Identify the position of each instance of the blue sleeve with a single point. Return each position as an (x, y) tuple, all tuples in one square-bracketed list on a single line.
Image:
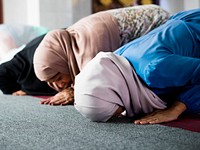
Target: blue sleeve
[(167, 57), (172, 71), (191, 98)]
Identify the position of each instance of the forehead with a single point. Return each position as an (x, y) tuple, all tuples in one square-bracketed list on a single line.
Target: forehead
[(54, 78), (59, 76)]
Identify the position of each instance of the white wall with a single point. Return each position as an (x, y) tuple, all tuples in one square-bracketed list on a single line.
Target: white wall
[(62, 13), (48, 13), (191, 4), (15, 11), (174, 6), (56, 13)]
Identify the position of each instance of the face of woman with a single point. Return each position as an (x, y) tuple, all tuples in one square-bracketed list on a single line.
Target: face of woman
[(61, 81)]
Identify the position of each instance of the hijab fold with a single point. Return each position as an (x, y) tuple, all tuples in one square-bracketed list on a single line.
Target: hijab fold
[(109, 81), (68, 50)]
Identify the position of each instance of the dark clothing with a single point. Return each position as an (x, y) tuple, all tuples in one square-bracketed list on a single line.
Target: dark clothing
[(18, 73)]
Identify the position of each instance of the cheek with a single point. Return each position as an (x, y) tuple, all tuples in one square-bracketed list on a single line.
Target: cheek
[(62, 83), (59, 82), (67, 81)]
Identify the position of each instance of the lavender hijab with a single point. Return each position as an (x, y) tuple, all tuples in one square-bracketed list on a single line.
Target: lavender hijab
[(107, 82)]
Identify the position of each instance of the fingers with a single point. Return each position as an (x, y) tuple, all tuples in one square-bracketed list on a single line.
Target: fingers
[(51, 101), (159, 116), (45, 101), (61, 98), (57, 102), (69, 102), (152, 118), (147, 121), (62, 101)]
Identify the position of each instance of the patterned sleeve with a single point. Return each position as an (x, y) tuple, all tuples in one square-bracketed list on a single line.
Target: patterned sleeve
[(138, 20)]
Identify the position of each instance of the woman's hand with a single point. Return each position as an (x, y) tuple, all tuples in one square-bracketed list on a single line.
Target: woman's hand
[(19, 93), (65, 97), (165, 115)]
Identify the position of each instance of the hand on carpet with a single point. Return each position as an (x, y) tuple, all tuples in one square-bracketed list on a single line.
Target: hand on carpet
[(19, 93), (165, 115), (65, 97)]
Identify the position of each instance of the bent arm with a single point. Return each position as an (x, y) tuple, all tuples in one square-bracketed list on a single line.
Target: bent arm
[(8, 82), (172, 71), (190, 96)]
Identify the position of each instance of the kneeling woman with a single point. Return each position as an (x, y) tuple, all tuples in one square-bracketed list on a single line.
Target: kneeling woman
[(17, 75), (168, 65), (108, 85)]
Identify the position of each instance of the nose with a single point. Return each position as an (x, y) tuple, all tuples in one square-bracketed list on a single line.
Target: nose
[(61, 85)]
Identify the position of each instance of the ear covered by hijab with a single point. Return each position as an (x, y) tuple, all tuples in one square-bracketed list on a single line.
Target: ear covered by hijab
[(50, 57), (68, 50), (107, 82)]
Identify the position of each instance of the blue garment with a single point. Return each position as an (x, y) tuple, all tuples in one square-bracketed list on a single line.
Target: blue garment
[(167, 58)]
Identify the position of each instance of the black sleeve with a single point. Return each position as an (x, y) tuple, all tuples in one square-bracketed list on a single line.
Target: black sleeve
[(18, 73), (15, 73), (8, 80)]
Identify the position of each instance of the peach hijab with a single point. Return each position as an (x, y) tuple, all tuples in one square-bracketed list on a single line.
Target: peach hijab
[(107, 82), (68, 50)]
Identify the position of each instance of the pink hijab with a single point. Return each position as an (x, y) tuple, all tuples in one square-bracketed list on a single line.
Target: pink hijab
[(67, 51), (107, 82)]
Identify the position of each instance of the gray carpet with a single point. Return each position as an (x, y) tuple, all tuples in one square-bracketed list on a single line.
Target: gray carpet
[(27, 125)]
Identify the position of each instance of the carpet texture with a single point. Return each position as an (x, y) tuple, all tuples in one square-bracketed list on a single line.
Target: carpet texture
[(27, 125), (189, 122)]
